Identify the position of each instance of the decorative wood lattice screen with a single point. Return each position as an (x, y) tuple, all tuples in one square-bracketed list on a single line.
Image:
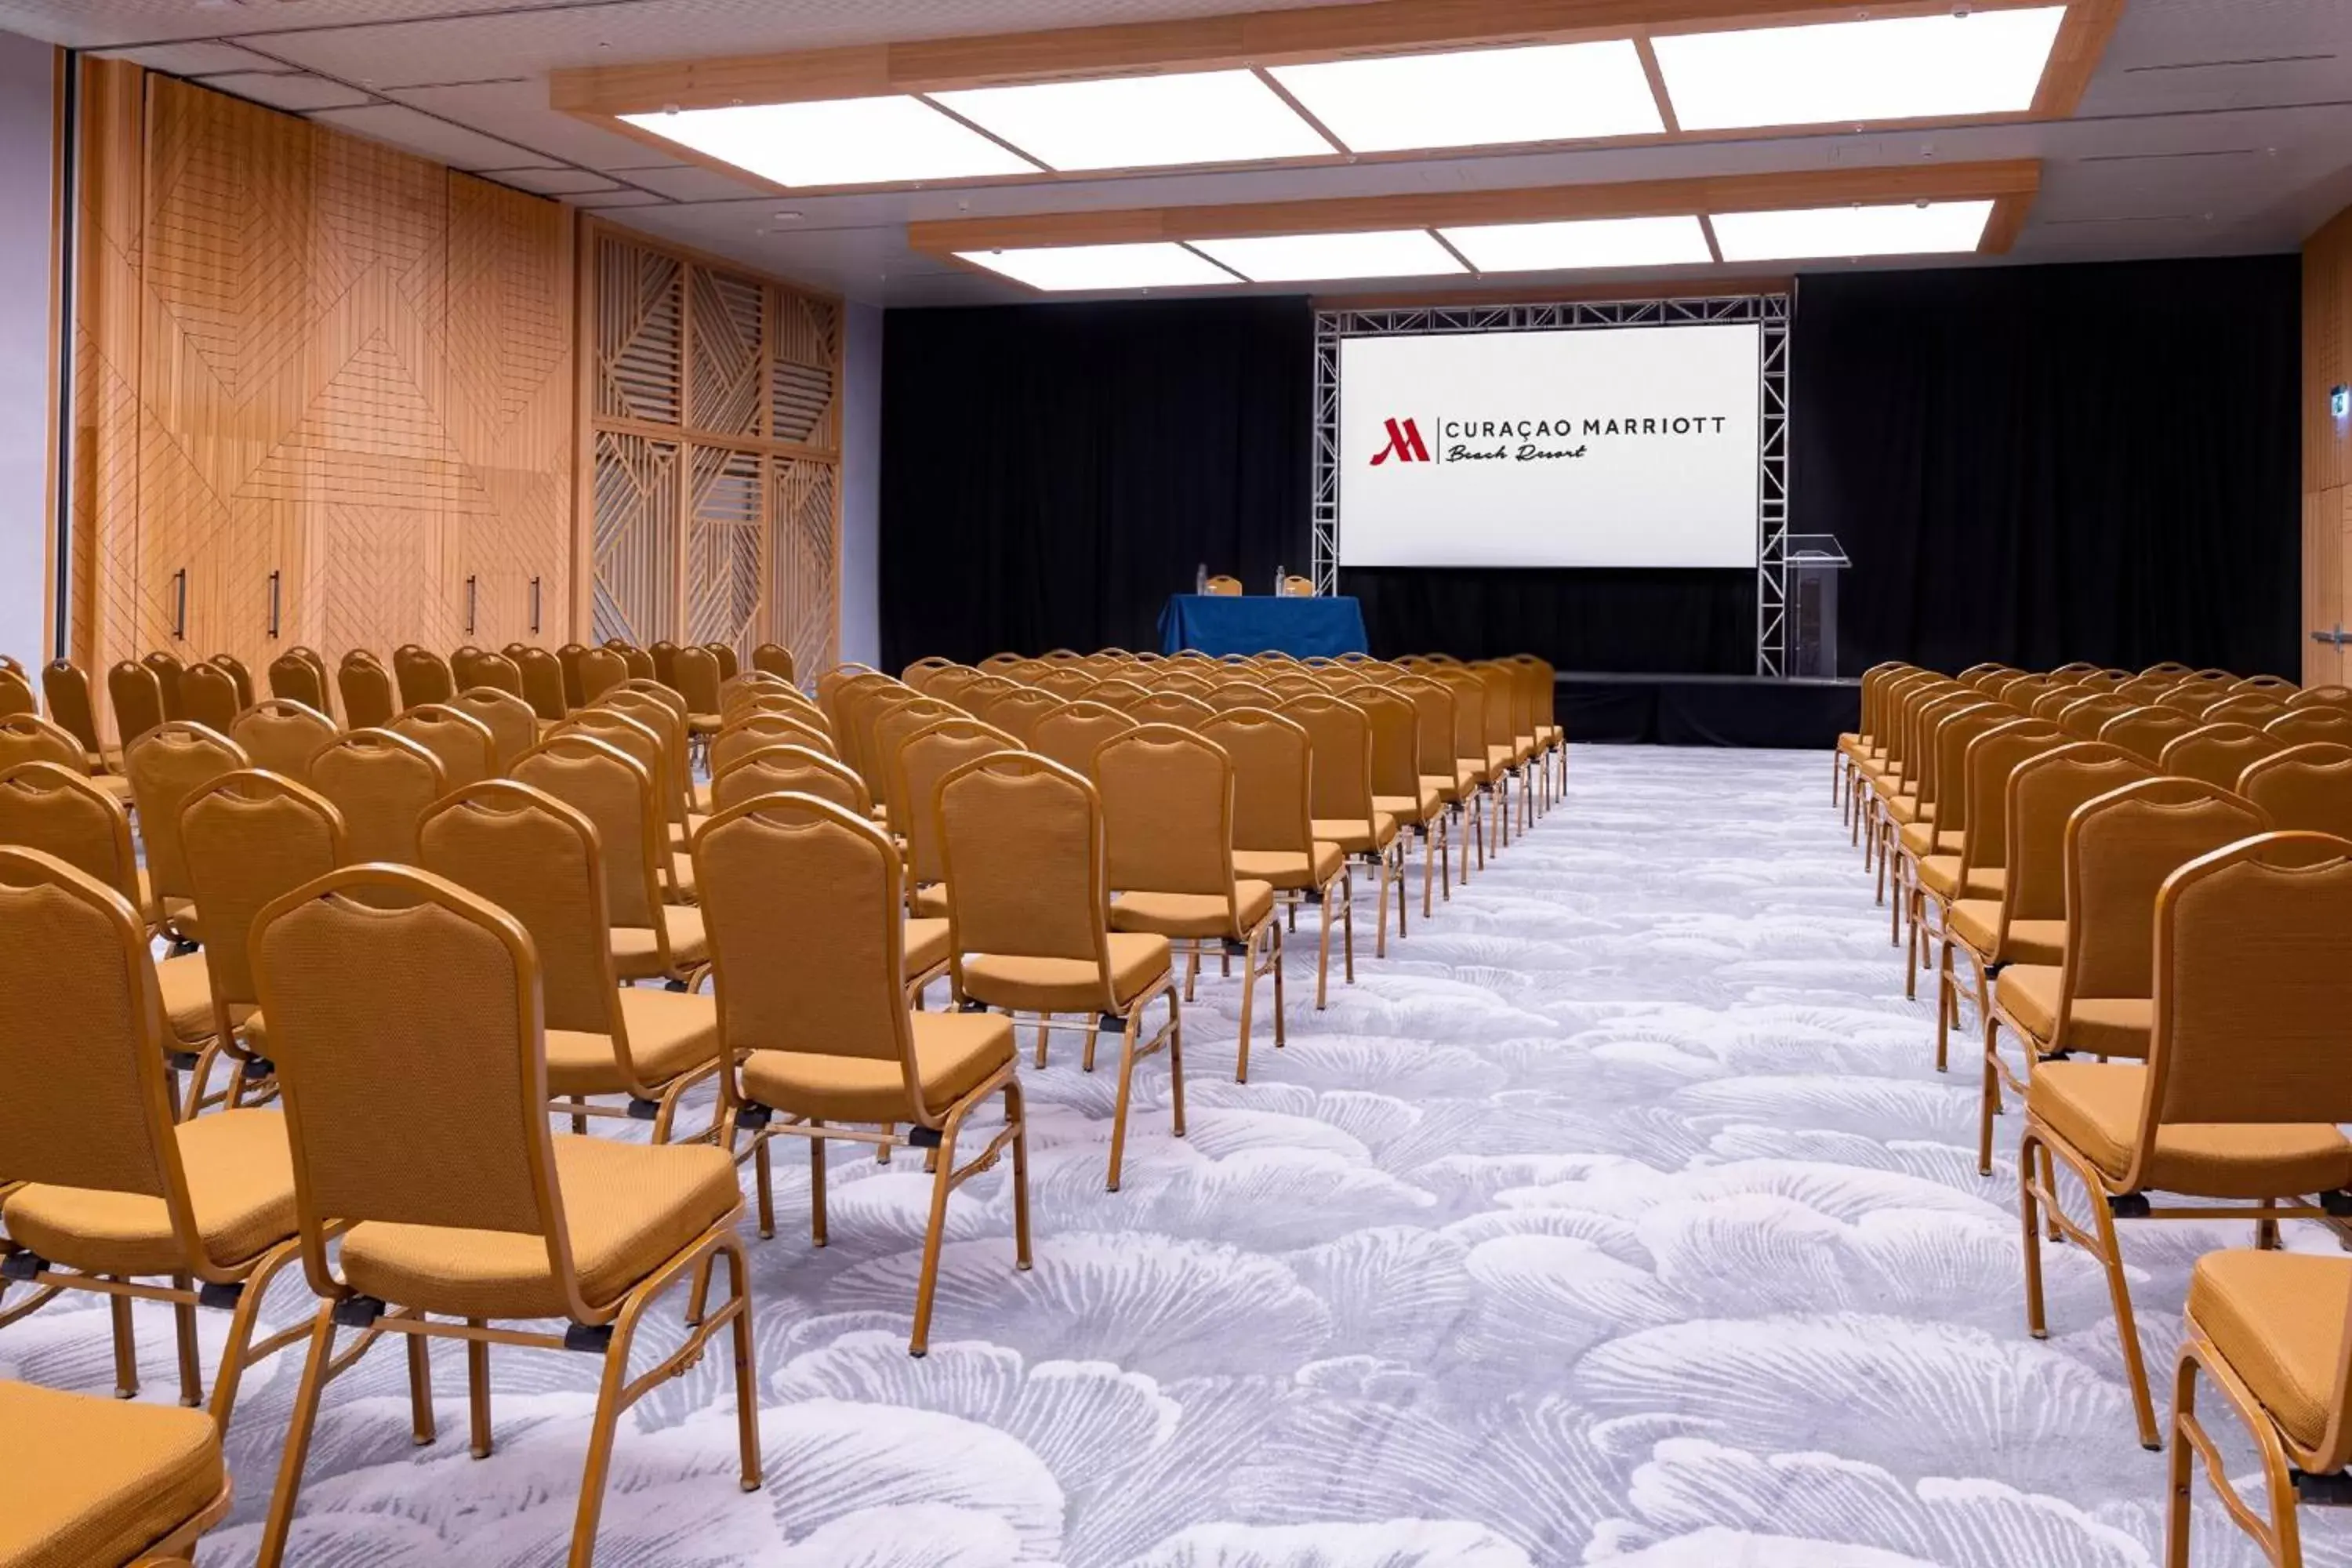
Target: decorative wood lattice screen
[(716, 446)]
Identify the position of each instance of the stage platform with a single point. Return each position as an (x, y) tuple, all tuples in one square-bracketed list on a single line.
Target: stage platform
[(1705, 709)]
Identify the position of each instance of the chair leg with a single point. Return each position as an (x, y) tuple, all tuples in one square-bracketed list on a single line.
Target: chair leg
[(1192, 970), (1947, 1001), (1278, 951), (1249, 997), (299, 1426), (1347, 919), (477, 1392), (184, 1324), (2178, 1514), (927, 1282), (1988, 1100), (1323, 954), (421, 1428), (1017, 1112), (1397, 852), (1428, 868), (767, 1190), (599, 1439), (2126, 1329), (816, 1187), (1381, 921), (2037, 1323), (1176, 1063), (747, 1372), (126, 1347), (1126, 1085)]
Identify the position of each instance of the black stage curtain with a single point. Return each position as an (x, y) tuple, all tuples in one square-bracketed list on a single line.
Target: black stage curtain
[(2040, 464), (1684, 622), (1052, 473)]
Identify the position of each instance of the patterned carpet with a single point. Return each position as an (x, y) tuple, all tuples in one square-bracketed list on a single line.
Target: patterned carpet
[(1619, 1216)]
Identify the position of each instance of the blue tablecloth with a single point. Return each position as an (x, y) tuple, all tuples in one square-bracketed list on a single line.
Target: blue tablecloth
[(1222, 623)]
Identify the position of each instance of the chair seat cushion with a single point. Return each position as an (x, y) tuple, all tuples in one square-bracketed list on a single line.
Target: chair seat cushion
[(1418, 807), (240, 1184), (187, 991), (927, 945), (87, 1480), (669, 1033), (1068, 984), (2096, 1106), (2277, 1318), (635, 956), (1355, 836), (1940, 875), (1923, 838), (1468, 771), (1977, 921), (1500, 757), (179, 914), (2097, 1025), (954, 1054), (701, 797), (931, 901), (704, 723), (1195, 914), (1448, 786), (687, 890), (1289, 869), (628, 1207)]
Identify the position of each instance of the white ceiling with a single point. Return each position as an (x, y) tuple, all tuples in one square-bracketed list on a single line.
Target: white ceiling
[(2212, 127)]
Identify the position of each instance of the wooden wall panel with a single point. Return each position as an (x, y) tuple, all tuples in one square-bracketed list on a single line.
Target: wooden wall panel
[(2326, 443), (316, 376), (717, 448)]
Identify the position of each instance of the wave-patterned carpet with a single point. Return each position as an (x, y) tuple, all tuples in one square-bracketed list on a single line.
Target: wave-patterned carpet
[(1618, 1217)]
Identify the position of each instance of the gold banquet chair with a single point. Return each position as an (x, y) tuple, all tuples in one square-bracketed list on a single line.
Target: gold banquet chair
[(454, 1211), (381, 784), (633, 736), (652, 938), (282, 735), (166, 766), (1071, 735), (1274, 828), (2243, 1082), (29, 738), (1167, 825), (927, 756), (2306, 787), (539, 859), (814, 1019), (136, 694), (208, 697), (1932, 848), (782, 767), (1340, 734), (293, 678), (2145, 731), (2217, 754), (369, 701), (1029, 915), (542, 683), (1980, 870), (114, 1193), (462, 743), (422, 676), (1417, 803), (65, 688), (513, 726), (2318, 721), (87, 1482)]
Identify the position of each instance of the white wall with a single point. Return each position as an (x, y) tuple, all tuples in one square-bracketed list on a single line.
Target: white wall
[(26, 128), (861, 485)]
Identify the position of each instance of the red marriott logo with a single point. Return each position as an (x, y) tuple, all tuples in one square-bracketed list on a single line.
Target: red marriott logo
[(1404, 444)]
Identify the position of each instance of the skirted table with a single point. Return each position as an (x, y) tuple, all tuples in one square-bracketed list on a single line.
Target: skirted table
[(1232, 623)]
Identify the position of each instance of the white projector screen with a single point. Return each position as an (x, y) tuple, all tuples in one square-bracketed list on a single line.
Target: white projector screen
[(1597, 446)]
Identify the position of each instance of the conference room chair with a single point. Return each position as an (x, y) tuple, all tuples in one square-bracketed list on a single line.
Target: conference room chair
[(749, 730), (635, 737), (1474, 764), (1542, 684), (469, 1209), (1889, 773), (96, 1483), (2243, 1084), (513, 726), (1913, 804), (2278, 686), (465, 746), (924, 669), (567, 657), (997, 663), (817, 1024), (281, 735), (775, 659), (860, 708), (1853, 746), (1167, 798), (2019, 691), (1434, 731), (2255, 708), (600, 670), (29, 738), (542, 683), (486, 671), (1071, 734), (1398, 787), (1022, 842), (665, 656), (1121, 692), (167, 766), (1182, 682), (2168, 669), (1067, 681), (135, 693), (208, 697), (1227, 695), (945, 681), (1341, 778), (1274, 830), (2075, 668), (1978, 874), (2084, 717), (379, 783), (663, 711), (2145, 731), (695, 675), (118, 1197), (369, 701), (2321, 697), (753, 680), (782, 768), (421, 675), (1281, 683), (1223, 587), (805, 715), (2056, 699), (538, 860), (2217, 754), (652, 938), (635, 660), (1511, 706), (1180, 708), (239, 677), (1017, 712), (2306, 787), (840, 690), (2300, 726), (892, 723), (729, 664), (2032, 925), (16, 695), (2144, 690), (925, 758), (65, 691), (1921, 820), (166, 668)]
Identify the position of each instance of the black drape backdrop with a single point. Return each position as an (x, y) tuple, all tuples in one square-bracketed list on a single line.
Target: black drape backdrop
[(1052, 473), (2032, 464), (2040, 464)]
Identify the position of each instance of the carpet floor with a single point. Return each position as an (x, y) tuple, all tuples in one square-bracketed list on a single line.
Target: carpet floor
[(1619, 1216)]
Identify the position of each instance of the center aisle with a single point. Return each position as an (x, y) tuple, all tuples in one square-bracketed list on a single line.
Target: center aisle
[(1619, 1216)]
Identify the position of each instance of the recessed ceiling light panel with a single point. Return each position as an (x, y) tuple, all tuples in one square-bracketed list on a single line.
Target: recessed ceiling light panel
[(1306, 257), (1473, 98), (838, 141), (1581, 243), (1059, 268), (1906, 229), (1902, 67), (1144, 121)]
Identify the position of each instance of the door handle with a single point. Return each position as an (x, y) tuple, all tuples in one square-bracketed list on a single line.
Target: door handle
[(534, 606), (274, 581), (471, 593), (180, 604)]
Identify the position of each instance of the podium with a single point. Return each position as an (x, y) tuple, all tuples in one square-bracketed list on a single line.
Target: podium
[(1815, 562)]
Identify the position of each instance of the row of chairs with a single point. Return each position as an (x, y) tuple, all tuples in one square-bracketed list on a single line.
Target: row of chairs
[(2150, 877)]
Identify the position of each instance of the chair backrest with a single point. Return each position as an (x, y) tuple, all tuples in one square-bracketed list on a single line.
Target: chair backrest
[(924, 759), (1121, 692), (2255, 707), (293, 678), (2300, 726), (2321, 697), (59, 810), (513, 726), (2119, 849), (600, 670), (2044, 791), (2055, 700), (67, 690), (2170, 668), (2145, 731), (1396, 739), (238, 676), (1021, 838), (890, 723), (1239, 694), (2077, 666), (468, 750), (369, 701), (1985, 768), (381, 783), (1273, 760), (664, 654), (251, 837), (17, 694), (1341, 735), (29, 738), (208, 696), (1167, 799), (383, 987), (1225, 588), (136, 694), (567, 659), (2217, 754), (536, 859), (614, 791), (1189, 680), (920, 674), (780, 768), (2306, 788), (632, 736), (774, 657), (1070, 735), (1067, 681), (1469, 710), (422, 675), (1171, 708), (724, 656), (816, 977), (1953, 737), (2144, 690), (2278, 686), (476, 668), (635, 659), (1927, 727), (1017, 712), (281, 735), (167, 669), (1433, 709), (664, 712), (751, 730), (95, 1116), (167, 766), (2084, 717), (695, 673), (543, 682)]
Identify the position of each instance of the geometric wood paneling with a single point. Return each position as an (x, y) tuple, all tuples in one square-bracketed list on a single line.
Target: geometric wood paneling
[(316, 376), (714, 397)]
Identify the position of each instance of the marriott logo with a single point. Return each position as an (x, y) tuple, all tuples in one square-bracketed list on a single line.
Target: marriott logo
[(1404, 444)]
